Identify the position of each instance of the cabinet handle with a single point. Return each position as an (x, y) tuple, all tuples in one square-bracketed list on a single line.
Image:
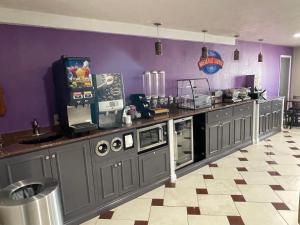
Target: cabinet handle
[(116, 165), (53, 156), (226, 114), (120, 164), (154, 153), (47, 157)]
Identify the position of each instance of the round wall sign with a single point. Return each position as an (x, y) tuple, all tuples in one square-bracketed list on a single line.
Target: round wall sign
[(212, 64)]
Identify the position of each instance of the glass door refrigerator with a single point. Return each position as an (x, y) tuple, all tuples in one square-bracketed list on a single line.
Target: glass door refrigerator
[(184, 145)]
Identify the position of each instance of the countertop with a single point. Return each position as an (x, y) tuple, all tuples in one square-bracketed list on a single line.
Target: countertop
[(13, 147)]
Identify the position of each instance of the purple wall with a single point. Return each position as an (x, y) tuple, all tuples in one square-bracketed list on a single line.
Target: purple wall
[(26, 54)]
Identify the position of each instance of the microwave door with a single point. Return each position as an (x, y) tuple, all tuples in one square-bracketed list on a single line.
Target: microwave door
[(149, 138)]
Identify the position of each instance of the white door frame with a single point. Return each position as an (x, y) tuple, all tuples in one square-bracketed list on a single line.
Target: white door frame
[(290, 72)]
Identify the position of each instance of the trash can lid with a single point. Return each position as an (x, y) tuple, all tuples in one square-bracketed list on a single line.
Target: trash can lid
[(26, 191)]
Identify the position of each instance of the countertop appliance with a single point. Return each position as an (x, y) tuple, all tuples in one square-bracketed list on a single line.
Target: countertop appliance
[(184, 144), (74, 94), (217, 96), (142, 105), (110, 101), (152, 137), (193, 93), (231, 95)]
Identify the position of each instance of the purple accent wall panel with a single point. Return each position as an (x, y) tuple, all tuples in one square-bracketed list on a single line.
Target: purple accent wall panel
[(26, 55)]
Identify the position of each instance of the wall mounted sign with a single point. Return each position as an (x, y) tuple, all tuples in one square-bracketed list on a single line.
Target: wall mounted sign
[(212, 64)]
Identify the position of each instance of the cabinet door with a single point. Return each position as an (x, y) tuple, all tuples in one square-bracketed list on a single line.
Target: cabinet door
[(269, 122), (226, 134), (262, 125), (275, 120), (154, 166), (34, 165), (71, 166), (247, 128), (213, 138), (128, 174), (106, 181), (238, 130), (279, 120)]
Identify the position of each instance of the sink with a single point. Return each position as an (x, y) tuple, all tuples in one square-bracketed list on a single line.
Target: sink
[(41, 138)]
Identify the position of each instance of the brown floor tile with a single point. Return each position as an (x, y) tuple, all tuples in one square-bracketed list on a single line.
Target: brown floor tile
[(235, 220), (206, 176), (242, 169), (269, 153), (288, 136), (280, 206), (268, 140), (201, 191), (238, 198), (297, 156), (240, 181), (271, 162), (243, 151), (170, 185), (213, 165), (243, 159), (193, 210), (274, 173), (139, 222), (294, 148), (107, 215), (285, 131), (277, 187), (157, 202), (290, 142), (268, 146)]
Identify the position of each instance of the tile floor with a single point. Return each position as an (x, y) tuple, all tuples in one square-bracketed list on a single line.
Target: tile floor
[(257, 185)]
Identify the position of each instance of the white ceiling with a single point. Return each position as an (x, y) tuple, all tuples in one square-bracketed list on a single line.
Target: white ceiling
[(273, 20)]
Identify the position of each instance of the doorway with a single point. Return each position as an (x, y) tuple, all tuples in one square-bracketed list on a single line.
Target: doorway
[(285, 76)]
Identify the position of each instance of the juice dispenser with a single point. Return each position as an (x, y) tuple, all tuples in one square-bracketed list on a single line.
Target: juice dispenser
[(74, 94)]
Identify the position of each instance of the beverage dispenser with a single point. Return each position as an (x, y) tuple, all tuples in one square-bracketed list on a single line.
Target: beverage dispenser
[(110, 101), (74, 94)]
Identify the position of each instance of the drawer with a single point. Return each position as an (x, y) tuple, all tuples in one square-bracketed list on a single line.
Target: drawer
[(227, 113), (265, 107), (243, 110), (219, 115), (276, 105), (214, 116)]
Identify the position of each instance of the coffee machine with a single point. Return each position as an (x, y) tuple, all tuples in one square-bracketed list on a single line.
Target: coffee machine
[(74, 94), (142, 105), (110, 101)]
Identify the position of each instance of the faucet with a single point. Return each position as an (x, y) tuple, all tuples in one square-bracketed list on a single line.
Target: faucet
[(35, 127)]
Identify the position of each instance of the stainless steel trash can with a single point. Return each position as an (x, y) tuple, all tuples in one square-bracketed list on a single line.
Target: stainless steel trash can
[(31, 202)]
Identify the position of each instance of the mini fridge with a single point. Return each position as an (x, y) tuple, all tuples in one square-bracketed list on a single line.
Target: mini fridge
[(184, 145)]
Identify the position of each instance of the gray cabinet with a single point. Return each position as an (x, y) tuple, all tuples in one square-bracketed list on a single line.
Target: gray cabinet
[(213, 138), (226, 134), (154, 166), (71, 166), (115, 177), (32, 165), (270, 118), (219, 131), (243, 123)]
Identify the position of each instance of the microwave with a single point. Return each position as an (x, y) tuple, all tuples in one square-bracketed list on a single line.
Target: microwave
[(152, 137)]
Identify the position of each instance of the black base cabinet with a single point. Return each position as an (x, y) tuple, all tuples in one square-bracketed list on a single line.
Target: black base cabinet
[(154, 166)]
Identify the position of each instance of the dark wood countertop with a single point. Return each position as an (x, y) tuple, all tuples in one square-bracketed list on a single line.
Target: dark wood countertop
[(13, 147)]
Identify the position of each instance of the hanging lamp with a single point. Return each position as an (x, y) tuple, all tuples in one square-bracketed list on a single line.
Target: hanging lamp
[(204, 54), (158, 44), (236, 53), (260, 55)]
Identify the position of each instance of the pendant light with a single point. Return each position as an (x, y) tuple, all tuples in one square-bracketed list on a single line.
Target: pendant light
[(260, 55), (158, 44), (204, 54), (236, 54)]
